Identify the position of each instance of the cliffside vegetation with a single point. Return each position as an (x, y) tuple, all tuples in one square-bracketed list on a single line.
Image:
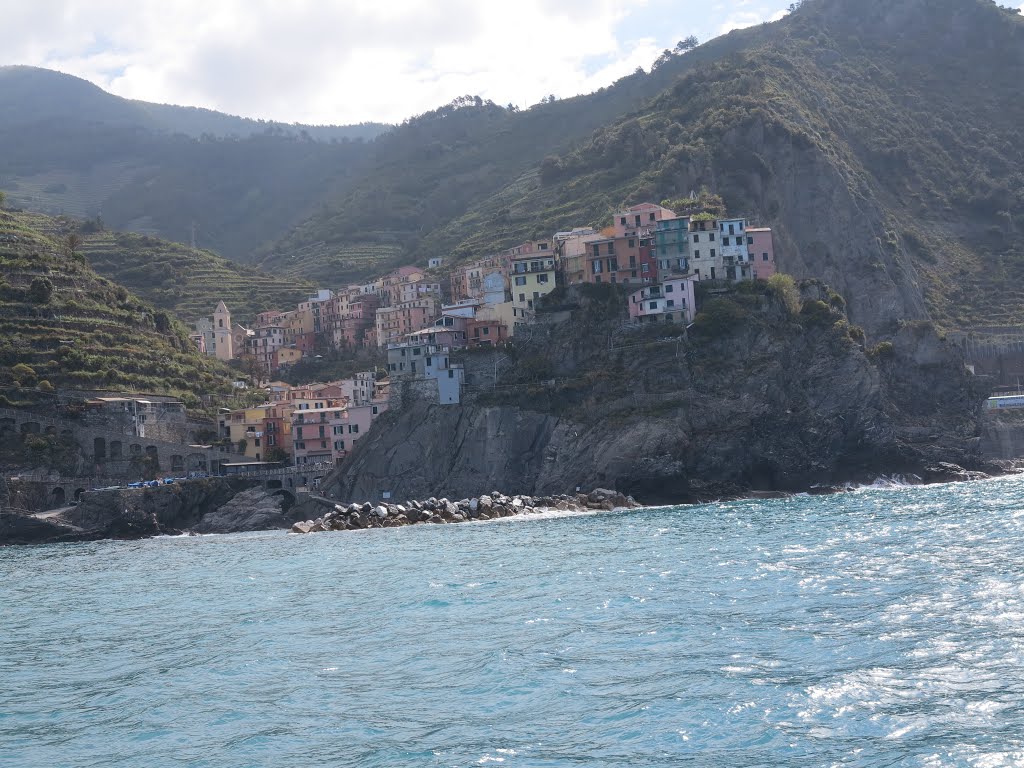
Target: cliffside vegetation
[(62, 325)]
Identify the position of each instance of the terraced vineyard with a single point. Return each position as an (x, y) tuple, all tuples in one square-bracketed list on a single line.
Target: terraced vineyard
[(332, 265), (176, 278), (62, 325)]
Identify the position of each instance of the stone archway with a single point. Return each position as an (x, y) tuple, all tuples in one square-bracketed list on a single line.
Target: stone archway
[(30, 428), (57, 497), (288, 499), (273, 485), (177, 463), (99, 449), (78, 493)]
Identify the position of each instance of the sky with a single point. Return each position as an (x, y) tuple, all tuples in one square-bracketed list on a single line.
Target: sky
[(348, 61)]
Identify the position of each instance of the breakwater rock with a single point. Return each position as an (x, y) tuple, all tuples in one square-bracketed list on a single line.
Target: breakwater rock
[(442, 511)]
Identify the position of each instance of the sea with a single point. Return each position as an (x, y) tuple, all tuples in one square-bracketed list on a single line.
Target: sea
[(881, 627)]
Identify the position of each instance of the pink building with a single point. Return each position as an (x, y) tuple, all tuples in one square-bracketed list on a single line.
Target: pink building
[(762, 252), (639, 218), (630, 259), (673, 301)]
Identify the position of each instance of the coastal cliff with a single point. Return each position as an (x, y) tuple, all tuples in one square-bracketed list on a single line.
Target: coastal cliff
[(771, 390), (215, 505)]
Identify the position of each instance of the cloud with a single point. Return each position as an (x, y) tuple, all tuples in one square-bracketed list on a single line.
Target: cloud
[(320, 61)]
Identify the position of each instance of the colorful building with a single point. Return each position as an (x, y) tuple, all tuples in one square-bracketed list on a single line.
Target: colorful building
[(671, 301), (762, 252), (532, 276)]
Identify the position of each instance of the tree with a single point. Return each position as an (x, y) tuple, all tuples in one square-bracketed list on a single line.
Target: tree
[(687, 44), (40, 291), (71, 245), (162, 321)]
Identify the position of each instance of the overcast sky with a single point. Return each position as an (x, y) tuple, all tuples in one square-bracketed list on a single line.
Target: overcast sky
[(345, 61)]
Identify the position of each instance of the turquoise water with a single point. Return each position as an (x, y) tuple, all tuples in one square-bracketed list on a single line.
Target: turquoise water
[(879, 628)]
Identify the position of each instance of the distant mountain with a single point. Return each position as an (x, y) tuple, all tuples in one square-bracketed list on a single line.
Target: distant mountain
[(31, 94), (69, 147)]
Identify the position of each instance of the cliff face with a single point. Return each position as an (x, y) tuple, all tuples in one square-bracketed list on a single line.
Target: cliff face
[(760, 397)]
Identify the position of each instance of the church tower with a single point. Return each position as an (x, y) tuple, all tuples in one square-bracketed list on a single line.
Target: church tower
[(222, 332)]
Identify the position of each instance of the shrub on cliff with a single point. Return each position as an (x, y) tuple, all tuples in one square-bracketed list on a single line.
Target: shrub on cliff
[(719, 317), (783, 288)]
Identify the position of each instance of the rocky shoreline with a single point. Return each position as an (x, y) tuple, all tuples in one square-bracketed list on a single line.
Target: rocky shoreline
[(492, 506)]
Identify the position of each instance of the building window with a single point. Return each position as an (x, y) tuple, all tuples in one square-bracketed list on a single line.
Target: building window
[(520, 281), (645, 268), (522, 297), (597, 266), (597, 250), (542, 278), (712, 273), (670, 303), (451, 374), (764, 257), (696, 254), (696, 238), (711, 237), (611, 249), (652, 217), (732, 229), (487, 331), (750, 240), (712, 253), (670, 288), (632, 243), (725, 241), (623, 221)]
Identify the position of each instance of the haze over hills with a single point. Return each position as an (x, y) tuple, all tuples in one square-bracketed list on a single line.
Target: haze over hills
[(856, 128)]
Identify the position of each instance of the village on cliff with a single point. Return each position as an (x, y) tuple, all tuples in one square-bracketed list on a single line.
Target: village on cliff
[(657, 253)]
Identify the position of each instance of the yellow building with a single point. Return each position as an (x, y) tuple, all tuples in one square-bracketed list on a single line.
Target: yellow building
[(532, 276)]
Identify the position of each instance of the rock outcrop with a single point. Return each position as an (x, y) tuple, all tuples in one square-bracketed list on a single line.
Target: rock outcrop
[(195, 505)]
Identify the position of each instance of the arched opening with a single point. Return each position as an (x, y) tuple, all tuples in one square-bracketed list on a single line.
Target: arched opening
[(177, 463), (57, 497), (134, 449), (51, 430), (99, 449), (153, 456), (78, 493), (67, 435), (287, 499), (115, 449), (7, 425), (30, 428), (272, 484)]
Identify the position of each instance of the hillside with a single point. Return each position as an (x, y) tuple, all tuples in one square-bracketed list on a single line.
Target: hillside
[(70, 148), (64, 326), (880, 139), (173, 276)]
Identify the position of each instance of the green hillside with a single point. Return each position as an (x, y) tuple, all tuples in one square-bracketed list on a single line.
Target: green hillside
[(880, 138), (71, 148), (172, 276), (62, 325)]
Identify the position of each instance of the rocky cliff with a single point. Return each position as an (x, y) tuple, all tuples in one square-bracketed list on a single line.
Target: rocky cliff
[(769, 391), (216, 505)]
